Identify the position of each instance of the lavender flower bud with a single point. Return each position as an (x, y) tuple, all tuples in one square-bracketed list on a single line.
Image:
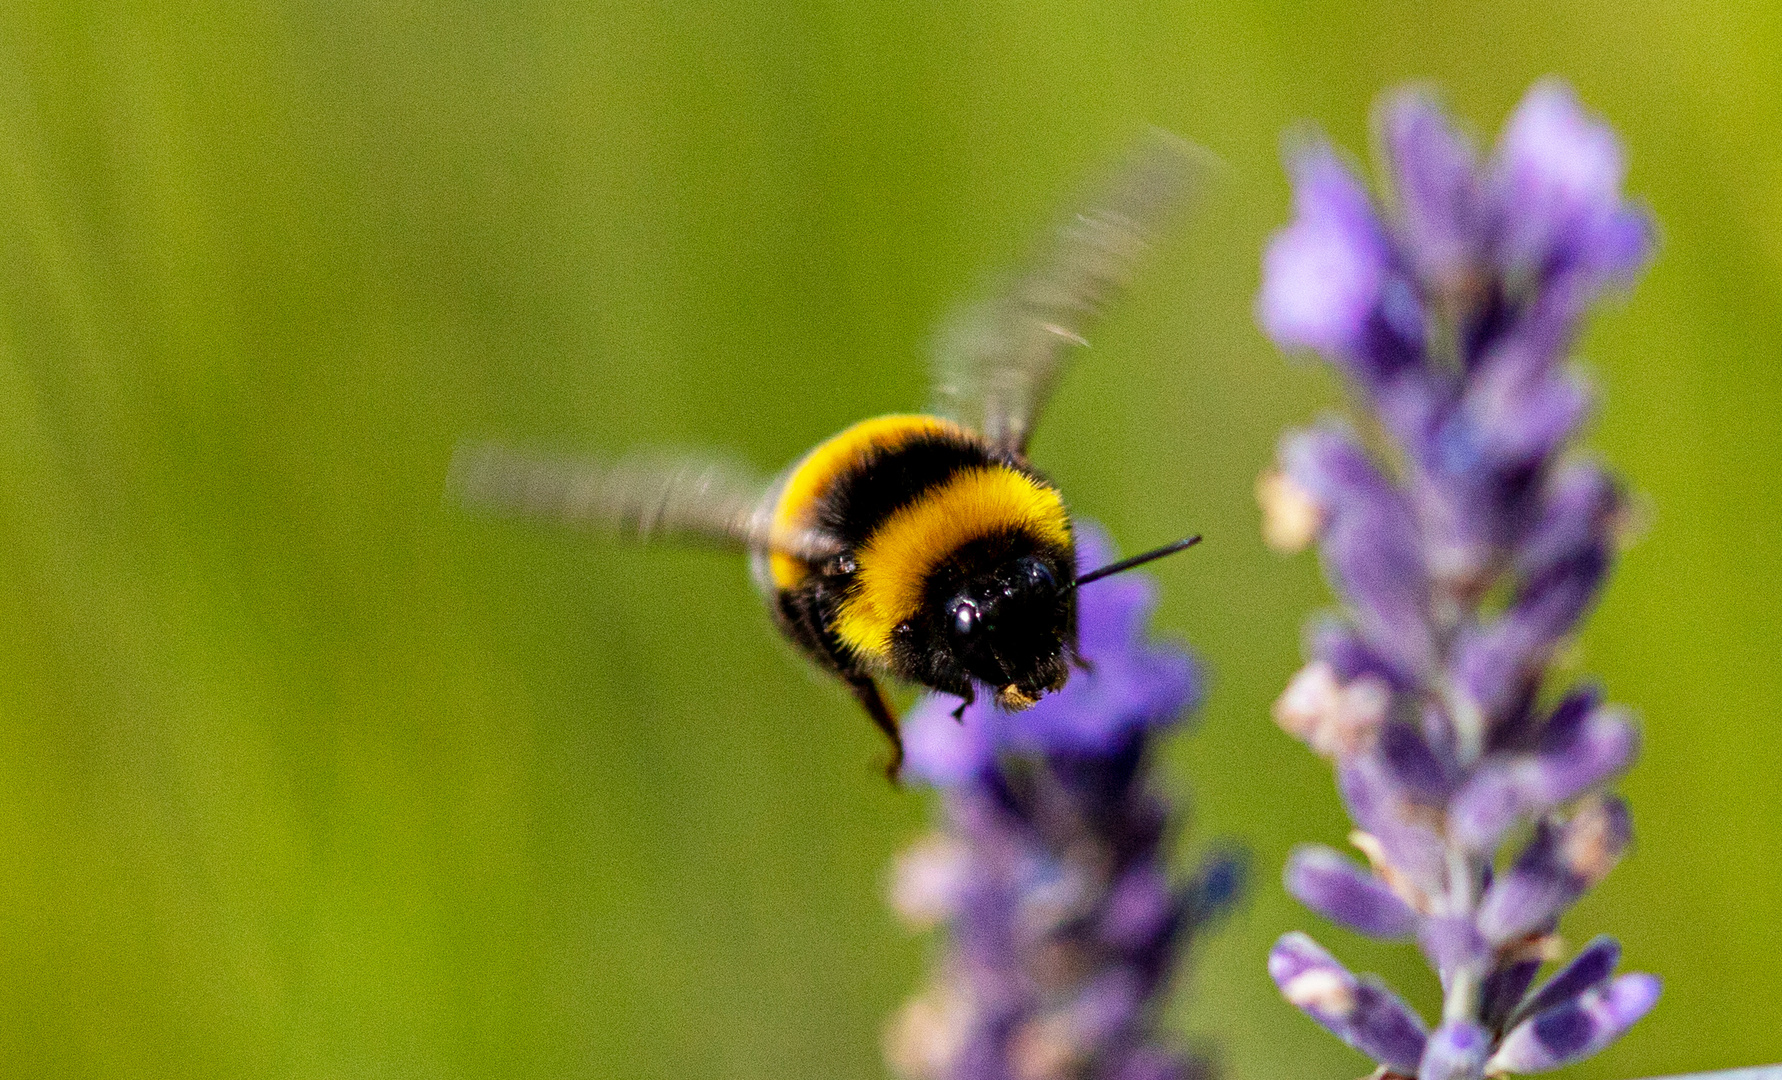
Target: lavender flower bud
[(1058, 1043), (1590, 968), (1376, 802), (1487, 808), (1456, 1051), (1600, 748), (1139, 908), (1521, 404), (1342, 892), (1558, 865), (1505, 988), (1433, 169), (1148, 1064), (1500, 660), (1323, 274), (1423, 775), (1577, 1029), (1561, 169), (1155, 1064), (1361, 1012), (1561, 726), (1578, 510), (1339, 644)]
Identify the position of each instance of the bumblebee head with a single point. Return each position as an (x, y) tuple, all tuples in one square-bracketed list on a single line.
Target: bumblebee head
[(1007, 627)]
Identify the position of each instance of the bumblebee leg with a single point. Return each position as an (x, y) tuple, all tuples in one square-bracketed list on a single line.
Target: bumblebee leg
[(971, 695), (874, 702)]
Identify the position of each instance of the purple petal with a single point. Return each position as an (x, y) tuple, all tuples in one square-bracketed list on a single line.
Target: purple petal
[(1520, 408), (1577, 1029), (1377, 804), (1342, 892), (1578, 507), (1139, 908), (1340, 645), (946, 752), (1321, 275), (1615, 248), (1456, 1051), (1411, 761), (1531, 896), (1505, 988), (1558, 178), (1334, 469), (1590, 968), (1108, 1005), (1498, 661), (1487, 808), (1494, 665), (1361, 1012), (1148, 1063), (1601, 747), (1468, 507), (1559, 864), (1121, 693), (1565, 724), (1434, 171), (1549, 607)]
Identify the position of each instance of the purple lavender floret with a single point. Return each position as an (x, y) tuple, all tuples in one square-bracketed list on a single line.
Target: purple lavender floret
[(1050, 871), (1467, 550)]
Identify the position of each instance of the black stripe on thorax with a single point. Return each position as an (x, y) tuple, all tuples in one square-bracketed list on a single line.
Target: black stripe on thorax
[(884, 481)]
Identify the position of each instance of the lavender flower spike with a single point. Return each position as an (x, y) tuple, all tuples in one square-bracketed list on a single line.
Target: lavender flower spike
[(1465, 553), (1050, 873)]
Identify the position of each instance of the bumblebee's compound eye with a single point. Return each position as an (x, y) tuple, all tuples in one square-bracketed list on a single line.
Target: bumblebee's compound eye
[(1039, 577), (965, 618)]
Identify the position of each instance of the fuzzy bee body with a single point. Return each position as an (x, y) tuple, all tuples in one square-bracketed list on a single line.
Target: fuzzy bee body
[(923, 508), (923, 547)]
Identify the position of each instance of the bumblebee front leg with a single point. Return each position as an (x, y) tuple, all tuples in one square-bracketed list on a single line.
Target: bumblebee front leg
[(971, 695), (867, 691)]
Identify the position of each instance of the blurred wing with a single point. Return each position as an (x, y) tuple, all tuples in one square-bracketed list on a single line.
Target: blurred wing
[(647, 497), (997, 363)]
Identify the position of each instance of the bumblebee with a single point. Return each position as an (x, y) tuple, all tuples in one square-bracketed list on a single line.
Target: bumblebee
[(922, 547)]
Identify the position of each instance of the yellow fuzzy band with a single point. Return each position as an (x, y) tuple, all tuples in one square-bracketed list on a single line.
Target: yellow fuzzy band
[(898, 558), (811, 478)]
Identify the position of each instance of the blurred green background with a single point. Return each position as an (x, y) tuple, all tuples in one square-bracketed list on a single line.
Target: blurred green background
[(302, 775)]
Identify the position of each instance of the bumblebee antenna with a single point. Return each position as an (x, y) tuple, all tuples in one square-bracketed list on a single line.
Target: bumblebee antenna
[(1137, 560)]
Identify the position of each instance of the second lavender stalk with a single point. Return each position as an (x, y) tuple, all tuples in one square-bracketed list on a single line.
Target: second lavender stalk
[(1052, 872)]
